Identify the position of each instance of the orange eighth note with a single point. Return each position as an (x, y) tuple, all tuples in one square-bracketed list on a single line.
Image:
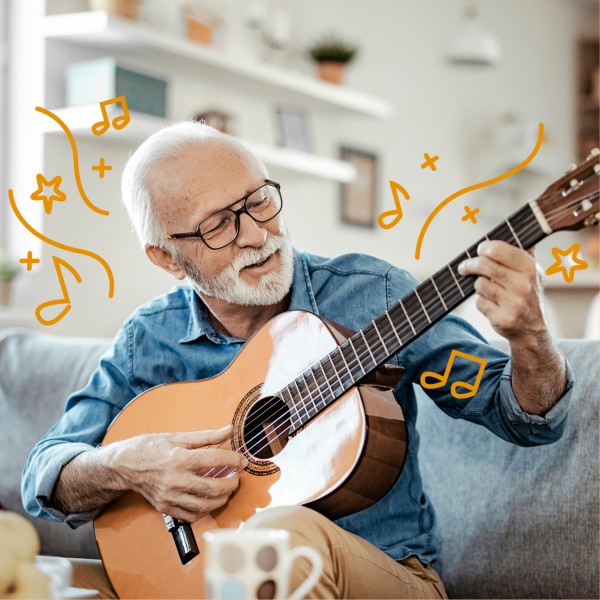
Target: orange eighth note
[(395, 213), (66, 300), (440, 380)]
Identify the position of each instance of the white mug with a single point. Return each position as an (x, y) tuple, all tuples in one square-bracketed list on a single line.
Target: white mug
[(60, 572), (254, 563)]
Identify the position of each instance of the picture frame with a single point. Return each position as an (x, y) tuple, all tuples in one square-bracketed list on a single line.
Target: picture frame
[(293, 129), (358, 199)]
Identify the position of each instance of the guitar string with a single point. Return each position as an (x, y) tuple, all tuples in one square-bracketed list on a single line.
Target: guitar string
[(384, 332), (285, 413)]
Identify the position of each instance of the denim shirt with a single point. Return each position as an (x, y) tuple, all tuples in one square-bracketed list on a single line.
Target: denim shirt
[(171, 339)]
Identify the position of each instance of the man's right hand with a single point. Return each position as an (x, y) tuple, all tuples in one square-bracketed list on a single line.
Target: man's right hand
[(166, 469)]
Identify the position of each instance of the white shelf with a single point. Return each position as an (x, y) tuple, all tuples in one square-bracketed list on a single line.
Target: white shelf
[(98, 29), (80, 119)]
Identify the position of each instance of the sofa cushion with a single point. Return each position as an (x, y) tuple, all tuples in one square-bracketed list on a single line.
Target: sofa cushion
[(38, 372), (518, 522)]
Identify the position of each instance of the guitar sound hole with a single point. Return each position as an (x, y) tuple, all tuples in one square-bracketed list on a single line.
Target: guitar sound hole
[(266, 428)]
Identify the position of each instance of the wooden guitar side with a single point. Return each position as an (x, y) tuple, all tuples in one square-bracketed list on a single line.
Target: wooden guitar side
[(333, 464)]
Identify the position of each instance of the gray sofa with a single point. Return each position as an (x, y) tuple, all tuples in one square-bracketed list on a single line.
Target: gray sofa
[(516, 522)]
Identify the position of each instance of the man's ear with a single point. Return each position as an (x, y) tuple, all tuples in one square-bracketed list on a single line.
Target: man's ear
[(165, 260)]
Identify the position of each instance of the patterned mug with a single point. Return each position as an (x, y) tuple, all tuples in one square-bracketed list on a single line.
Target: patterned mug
[(254, 563)]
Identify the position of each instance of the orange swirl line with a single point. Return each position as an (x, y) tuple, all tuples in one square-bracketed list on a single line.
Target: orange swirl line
[(75, 159), (476, 186), (111, 279)]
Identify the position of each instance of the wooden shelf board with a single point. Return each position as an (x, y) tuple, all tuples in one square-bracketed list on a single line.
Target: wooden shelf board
[(98, 29), (80, 119)]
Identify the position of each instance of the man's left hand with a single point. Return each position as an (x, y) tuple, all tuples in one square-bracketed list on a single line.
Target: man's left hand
[(509, 289), (510, 296)]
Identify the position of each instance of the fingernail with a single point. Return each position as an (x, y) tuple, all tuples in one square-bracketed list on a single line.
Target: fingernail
[(244, 462), (461, 267)]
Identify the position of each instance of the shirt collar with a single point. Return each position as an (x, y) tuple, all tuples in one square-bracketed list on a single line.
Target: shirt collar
[(302, 298)]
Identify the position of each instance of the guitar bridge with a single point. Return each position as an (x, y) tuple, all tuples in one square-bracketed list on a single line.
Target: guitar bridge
[(184, 538)]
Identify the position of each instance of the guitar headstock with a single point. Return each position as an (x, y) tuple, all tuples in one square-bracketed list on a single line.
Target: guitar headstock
[(571, 202)]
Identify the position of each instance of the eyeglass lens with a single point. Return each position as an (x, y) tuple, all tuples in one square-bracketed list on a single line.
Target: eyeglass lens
[(221, 228)]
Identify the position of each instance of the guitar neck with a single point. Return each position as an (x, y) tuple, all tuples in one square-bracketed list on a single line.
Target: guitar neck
[(338, 371)]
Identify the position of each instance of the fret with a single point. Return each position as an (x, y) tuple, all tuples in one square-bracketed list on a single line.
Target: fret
[(286, 389), (422, 305), (407, 317), (335, 371), (368, 348), (456, 281), (393, 327), (310, 396), (319, 387), (339, 368), (355, 354), (382, 342), (468, 254), (346, 365), (514, 234), (301, 398), (438, 293), (326, 380)]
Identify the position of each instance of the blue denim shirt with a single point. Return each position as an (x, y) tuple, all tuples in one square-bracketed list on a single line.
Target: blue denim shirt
[(171, 339)]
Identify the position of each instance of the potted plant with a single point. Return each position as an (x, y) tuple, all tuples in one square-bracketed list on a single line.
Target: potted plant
[(8, 271), (332, 54)]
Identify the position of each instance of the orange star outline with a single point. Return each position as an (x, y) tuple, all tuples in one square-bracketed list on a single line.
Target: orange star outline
[(567, 272), (58, 195)]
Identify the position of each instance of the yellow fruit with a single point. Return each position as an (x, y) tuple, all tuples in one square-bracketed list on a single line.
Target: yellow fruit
[(8, 566), (30, 582), (19, 536)]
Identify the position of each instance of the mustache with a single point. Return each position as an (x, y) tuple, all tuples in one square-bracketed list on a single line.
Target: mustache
[(252, 256)]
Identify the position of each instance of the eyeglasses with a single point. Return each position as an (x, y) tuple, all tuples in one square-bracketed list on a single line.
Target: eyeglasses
[(222, 228)]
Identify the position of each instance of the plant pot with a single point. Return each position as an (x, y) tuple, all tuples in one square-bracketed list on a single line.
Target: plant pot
[(332, 71), (5, 292), (123, 8)]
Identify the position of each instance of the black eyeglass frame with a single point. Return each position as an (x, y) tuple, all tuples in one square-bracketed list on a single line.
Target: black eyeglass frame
[(237, 213)]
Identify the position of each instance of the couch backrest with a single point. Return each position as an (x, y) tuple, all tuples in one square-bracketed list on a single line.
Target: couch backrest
[(37, 374), (518, 522)]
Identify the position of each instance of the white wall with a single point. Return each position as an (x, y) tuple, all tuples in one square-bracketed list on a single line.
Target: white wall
[(440, 110)]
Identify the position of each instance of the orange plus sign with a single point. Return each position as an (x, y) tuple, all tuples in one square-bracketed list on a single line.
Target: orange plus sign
[(470, 214), (29, 261), (101, 168), (429, 162)]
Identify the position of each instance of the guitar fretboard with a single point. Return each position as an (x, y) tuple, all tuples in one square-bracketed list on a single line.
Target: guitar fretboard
[(325, 381)]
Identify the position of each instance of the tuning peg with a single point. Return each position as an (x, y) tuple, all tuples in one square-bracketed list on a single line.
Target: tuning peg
[(571, 168), (594, 152)]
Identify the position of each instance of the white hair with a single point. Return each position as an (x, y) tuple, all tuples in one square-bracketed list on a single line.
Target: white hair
[(167, 143)]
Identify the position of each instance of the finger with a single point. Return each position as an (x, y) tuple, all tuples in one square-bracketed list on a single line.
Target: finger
[(190, 508), (492, 270), (505, 254), (213, 458), (210, 487), (199, 439)]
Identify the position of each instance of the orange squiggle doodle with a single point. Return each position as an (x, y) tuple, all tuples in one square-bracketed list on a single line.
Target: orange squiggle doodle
[(58, 263), (476, 186), (75, 159), (109, 273)]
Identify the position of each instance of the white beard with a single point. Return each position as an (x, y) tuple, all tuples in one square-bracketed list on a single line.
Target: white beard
[(229, 286)]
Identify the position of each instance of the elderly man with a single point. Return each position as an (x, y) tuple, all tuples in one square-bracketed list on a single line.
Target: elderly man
[(205, 210)]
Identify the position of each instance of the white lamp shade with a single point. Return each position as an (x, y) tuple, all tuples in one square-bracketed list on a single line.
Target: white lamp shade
[(474, 45)]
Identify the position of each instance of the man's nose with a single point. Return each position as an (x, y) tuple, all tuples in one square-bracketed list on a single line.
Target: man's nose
[(251, 233)]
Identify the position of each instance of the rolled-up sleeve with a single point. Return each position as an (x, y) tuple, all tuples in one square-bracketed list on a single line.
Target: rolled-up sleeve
[(88, 414), (493, 403)]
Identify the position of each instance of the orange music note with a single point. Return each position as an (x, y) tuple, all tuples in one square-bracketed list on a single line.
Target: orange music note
[(395, 213), (118, 122), (66, 300), (441, 380)]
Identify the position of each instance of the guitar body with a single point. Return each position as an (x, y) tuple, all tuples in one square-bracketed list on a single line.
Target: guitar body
[(342, 461)]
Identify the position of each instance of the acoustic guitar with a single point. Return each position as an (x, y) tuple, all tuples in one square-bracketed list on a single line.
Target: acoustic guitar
[(302, 387)]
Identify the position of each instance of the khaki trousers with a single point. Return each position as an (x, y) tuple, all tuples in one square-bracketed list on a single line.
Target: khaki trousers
[(353, 568)]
